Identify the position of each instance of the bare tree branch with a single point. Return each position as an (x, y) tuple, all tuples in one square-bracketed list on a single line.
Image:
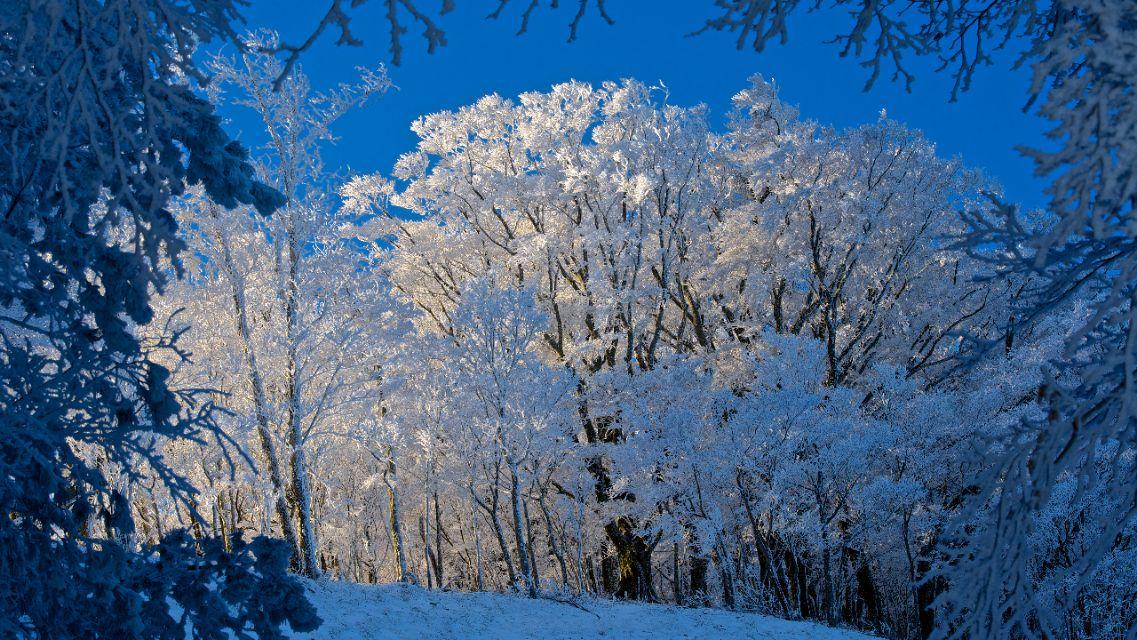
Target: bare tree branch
[(958, 33), (338, 17)]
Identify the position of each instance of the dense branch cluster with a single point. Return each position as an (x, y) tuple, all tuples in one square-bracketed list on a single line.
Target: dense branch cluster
[(576, 342), (581, 342), (338, 16), (102, 128), (961, 35)]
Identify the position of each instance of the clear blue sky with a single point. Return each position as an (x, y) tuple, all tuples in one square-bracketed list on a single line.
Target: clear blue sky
[(648, 42)]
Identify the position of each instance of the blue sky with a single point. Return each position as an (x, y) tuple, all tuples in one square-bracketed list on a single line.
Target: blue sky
[(648, 42)]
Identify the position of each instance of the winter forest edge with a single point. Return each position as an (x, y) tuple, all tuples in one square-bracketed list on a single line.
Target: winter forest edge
[(578, 343)]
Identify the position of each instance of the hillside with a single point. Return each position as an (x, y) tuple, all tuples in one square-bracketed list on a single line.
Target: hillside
[(400, 612)]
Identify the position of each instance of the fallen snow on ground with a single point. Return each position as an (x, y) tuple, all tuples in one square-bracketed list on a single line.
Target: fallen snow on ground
[(402, 612)]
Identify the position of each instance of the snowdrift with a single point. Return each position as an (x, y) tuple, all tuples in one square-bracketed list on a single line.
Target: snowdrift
[(402, 612)]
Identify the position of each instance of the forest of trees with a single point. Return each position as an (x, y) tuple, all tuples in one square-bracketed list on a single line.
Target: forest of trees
[(580, 341)]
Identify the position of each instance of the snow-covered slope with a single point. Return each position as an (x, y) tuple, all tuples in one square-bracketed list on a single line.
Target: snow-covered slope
[(400, 612)]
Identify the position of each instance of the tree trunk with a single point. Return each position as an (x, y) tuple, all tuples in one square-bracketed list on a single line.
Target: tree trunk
[(519, 531), (367, 563), (260, 400), (628, 574), (927, 591), (531, 541), (677, 588), (867, 592), (437, 541), (726, 572), (826, 579), (632, 562), (769, 574), (697, 590), (390, 479), (424, 532), (580, 547), (554, 547), (499, 532), (480, 576), (301, 496)]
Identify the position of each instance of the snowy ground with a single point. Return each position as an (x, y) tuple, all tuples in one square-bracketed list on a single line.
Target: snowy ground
[(399, 612)]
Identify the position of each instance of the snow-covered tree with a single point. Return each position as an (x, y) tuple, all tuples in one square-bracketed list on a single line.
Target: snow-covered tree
[(103, 127), (1081, 55), (289, 286), (665, 265)]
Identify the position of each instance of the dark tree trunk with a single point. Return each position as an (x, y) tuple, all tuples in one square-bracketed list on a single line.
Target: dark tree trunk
[(769, 574), (676, 584), (926, 592), (866, 591), (633, 562), (437, 541), (798, 574), (727, 584), (627, 574), (697, 595), (610, 574)]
